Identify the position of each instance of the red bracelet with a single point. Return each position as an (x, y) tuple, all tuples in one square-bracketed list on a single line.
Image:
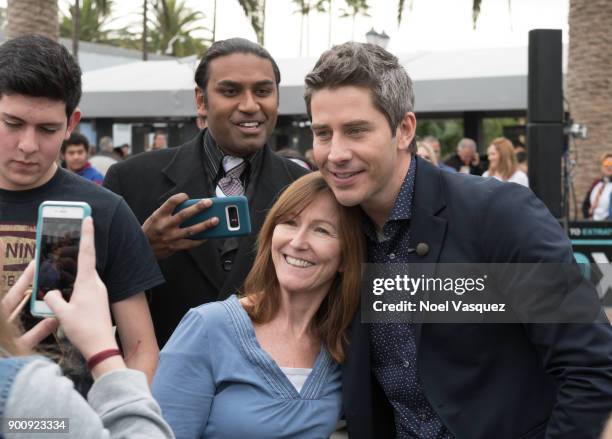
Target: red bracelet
[(101, 356)]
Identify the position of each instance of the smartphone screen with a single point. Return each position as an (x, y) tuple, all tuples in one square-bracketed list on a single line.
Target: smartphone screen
[(59, 248)]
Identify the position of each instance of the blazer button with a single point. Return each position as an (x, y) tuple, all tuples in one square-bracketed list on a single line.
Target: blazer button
[(227, 265)]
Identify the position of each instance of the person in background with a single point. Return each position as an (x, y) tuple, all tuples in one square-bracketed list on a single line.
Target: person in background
[(106, 155), (275, 352), (120, 402), (503, 164), (426, 152), (521, 158), (466, 160), (596, 204), (434, 143), (310, 157), (123, 151), (74, 153), (159, 141), (201, 122)]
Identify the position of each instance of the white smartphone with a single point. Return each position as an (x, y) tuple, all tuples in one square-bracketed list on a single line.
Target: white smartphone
[(58, 234)]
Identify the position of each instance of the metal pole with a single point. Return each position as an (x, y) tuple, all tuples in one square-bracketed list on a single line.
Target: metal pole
[(145, 51)]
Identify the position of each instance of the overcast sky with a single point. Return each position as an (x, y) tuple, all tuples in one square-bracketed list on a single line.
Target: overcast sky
[(432, 24)]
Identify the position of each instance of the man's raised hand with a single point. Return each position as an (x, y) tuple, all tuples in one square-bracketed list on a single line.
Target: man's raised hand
[(163, 228)]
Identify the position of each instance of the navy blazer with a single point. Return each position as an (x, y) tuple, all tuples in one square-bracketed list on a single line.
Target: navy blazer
[(490, 380), (194, 276)]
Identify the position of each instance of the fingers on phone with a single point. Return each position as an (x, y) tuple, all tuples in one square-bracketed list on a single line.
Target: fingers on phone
[(190, 211), (170, 204), (200, 227), (87, 251), (55, 301)]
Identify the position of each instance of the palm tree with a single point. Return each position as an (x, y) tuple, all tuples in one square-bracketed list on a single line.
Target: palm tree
[(355, 7), (145, 31), (326, 6), (475, 10), (400, 10), (305, 7), (2, 17), (255, 11), (330, 11), (86, 22), (32, 16), (214, 29), (171, 26)]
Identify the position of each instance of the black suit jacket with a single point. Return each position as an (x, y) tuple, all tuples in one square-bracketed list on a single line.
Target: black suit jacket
[(490, 380), (195, 276)]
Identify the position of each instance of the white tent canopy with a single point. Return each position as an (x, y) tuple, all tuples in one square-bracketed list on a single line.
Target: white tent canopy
[(444, 81)]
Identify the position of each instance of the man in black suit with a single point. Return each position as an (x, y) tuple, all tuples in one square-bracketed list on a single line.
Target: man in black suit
[(447, 380), (237, 88)]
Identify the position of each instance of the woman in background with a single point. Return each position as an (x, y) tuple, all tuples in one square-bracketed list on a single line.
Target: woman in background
[(596, 205), (503, 164), (425, 151), (267, 365)]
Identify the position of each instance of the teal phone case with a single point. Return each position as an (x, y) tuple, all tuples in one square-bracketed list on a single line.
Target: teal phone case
[(219, 209), (39, 224)]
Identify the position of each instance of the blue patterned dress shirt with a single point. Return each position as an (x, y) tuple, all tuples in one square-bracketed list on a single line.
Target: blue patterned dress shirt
[(393, 345)]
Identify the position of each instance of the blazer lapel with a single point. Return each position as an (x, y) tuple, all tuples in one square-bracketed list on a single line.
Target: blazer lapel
[(186, 172), (426, 226)]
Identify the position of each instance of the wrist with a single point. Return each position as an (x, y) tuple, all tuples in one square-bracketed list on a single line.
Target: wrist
[(108, 365), (98, 347), (101, 356)]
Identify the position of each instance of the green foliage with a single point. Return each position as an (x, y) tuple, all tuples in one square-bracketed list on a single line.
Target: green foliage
[(305, 7), (494, 127), (448, 131), (400, 11), (356, 7), (95, 16), (254, 10), (170, 28), (475, 11)]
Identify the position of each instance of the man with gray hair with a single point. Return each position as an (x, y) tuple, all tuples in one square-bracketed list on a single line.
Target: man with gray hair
[(427, 380), (105, 157), (467, 160)]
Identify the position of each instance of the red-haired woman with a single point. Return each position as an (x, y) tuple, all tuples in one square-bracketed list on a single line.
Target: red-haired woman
[(267, 365), (503, 164)]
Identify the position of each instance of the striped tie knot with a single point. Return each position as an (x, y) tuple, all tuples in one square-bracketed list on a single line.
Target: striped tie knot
[(230, 184)]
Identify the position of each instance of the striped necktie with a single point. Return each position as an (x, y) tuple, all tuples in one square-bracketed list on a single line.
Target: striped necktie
[(230, 184)]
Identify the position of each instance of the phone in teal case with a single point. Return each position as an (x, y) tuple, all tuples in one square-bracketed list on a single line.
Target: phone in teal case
[(58, 234), (233, 214)]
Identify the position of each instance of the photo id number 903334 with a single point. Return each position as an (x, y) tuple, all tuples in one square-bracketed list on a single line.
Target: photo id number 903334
[(37, 425)]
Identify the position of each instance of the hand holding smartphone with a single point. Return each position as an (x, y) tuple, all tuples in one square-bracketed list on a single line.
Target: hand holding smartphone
[(233, 214), (58, 233)]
